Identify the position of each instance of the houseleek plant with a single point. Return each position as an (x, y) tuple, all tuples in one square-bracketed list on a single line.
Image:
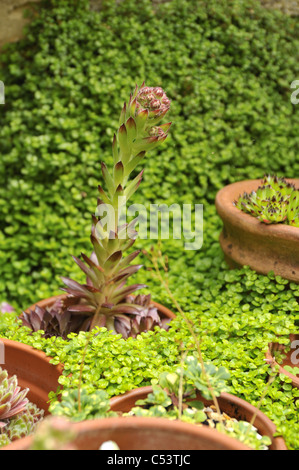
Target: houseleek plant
[(275, 201), (18, 416), (105, 300)]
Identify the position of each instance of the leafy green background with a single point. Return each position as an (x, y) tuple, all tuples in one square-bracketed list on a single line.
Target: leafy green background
[(227, 67)]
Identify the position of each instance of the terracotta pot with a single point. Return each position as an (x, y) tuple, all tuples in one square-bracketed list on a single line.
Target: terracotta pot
[(33, 370), (163, 311), (233, 406), (137, 433), (247, 241), (287, 361)]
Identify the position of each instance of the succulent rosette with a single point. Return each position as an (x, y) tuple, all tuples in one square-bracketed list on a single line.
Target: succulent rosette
[(275, 201), (18, 416)]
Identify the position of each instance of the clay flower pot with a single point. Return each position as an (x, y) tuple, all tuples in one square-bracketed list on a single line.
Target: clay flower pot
[(288, 360), (137, 433), (247, 241), (233, 406), (33, 370)]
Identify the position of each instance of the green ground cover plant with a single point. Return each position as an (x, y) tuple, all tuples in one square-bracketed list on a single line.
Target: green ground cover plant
[(227, 67)]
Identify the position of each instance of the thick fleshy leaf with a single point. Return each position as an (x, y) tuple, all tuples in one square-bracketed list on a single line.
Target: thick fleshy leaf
[(122, 325), (74, 285), (141, 119), (81, 308), (108, 179), (121, 293), (131, 129), (15, 410), (125, 273), (124, 145), (132, 107), (103, 195), (95, 276), (165, 127), (115, 149), (127, 308), (118, 174), (98, 249), (93, 265), (123, 114), (128, 259), (134, 162), (133, 186), (112, 262)]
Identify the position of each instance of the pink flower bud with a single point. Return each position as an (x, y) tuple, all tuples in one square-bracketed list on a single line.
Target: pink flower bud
[(158, 92), (155, 104), (157, 132), (153, 99)]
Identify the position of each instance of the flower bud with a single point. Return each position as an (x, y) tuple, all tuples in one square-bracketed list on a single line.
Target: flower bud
[(154, 99)]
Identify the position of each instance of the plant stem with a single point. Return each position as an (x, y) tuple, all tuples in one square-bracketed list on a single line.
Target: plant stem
[(81, 372), (188, 322), (180, 391)]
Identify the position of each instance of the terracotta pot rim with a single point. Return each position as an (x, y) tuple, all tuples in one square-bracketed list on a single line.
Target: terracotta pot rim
[(33, 370), (224, 205), (151, 424), (18, 345)]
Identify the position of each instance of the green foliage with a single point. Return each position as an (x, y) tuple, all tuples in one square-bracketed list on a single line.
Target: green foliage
[(53, 433), (228, 67), (92, 406), (188, 379), (24, 423), (164, 402), (211, 377), (247, 434), (238, 316), (292, 370)]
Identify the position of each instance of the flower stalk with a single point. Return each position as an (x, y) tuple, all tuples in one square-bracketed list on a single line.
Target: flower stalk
[(102, 300)]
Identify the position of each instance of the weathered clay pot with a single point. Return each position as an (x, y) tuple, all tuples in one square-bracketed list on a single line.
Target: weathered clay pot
[(247, 241), (33, 370), (163, 311), (137, 433), (288, 359), (233, 406)]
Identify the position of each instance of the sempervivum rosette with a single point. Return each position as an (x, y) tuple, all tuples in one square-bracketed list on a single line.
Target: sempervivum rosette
[(101, 300)]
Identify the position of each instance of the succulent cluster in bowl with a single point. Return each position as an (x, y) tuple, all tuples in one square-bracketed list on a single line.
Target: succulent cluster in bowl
[(18, 416), (275, 201)]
